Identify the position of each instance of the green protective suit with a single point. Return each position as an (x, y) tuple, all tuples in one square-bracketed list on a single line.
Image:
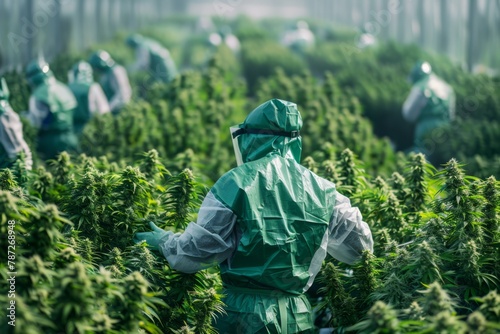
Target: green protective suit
[(116, 86), (269, 223), (82, 113), (56, 133), (161, 65), (438, 110), (434, 106), (107, 83)]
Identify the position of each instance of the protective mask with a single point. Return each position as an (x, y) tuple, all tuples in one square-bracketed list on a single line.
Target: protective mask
[(237, 151)]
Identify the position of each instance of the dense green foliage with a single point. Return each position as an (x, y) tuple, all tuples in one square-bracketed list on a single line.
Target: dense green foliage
[(82, 273), (432, 231)]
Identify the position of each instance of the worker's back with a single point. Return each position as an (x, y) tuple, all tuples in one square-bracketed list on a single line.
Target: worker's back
[(437, 112), (61, 103), (440, 98), (56, 132), (82, 113), (161, 65), (283, 212), (116, 86), (11, 137)]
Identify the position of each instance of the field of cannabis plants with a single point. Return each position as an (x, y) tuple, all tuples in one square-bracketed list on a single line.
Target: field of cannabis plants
[(435, 266)]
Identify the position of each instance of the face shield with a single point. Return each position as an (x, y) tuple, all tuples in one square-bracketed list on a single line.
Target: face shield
[(234, 136)]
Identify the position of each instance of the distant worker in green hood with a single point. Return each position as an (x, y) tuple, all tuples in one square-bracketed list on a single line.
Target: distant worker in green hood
[(430, 104), (269, 223), (51, 109), (114, 80), (225, 36), (152, 57), (89, 95), (299, 39), (12, 143)]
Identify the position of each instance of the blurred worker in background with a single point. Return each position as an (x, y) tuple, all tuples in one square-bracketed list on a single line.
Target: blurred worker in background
[(300, 39), (89, 95), (51, 109), (12, 144), (366, 39), (152, 57), (114, 80), (225, 36), (269, 223), (430, 104)]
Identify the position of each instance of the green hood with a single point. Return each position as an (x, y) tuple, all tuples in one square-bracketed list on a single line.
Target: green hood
[(37, 73), (280, 117), (421, 70), (134, 40)]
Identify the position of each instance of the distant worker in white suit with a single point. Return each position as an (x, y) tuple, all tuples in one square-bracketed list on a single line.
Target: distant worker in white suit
[(89, 95), (114, 80), (300, 39)]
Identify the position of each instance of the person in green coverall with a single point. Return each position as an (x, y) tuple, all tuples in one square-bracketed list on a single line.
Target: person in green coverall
[(299, 39), (51, 109), (430, 104), (114, 80), (152, 57), (89, 95), (12, 143), (269, 223)]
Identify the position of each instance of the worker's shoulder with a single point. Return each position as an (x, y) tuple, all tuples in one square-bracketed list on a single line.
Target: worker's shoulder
[(117, 68), (274, 167), (314, 179), (56, 84), (62, 90), (52, 90), (240, 174)]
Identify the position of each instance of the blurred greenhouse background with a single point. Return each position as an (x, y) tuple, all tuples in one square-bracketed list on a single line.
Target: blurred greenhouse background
[(468, 31)]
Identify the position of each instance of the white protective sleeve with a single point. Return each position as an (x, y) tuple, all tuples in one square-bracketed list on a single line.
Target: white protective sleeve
[(11, 136), (98, 104), (414, 104), (444, 92), (121, 87), (206, 243), (349, 234)]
